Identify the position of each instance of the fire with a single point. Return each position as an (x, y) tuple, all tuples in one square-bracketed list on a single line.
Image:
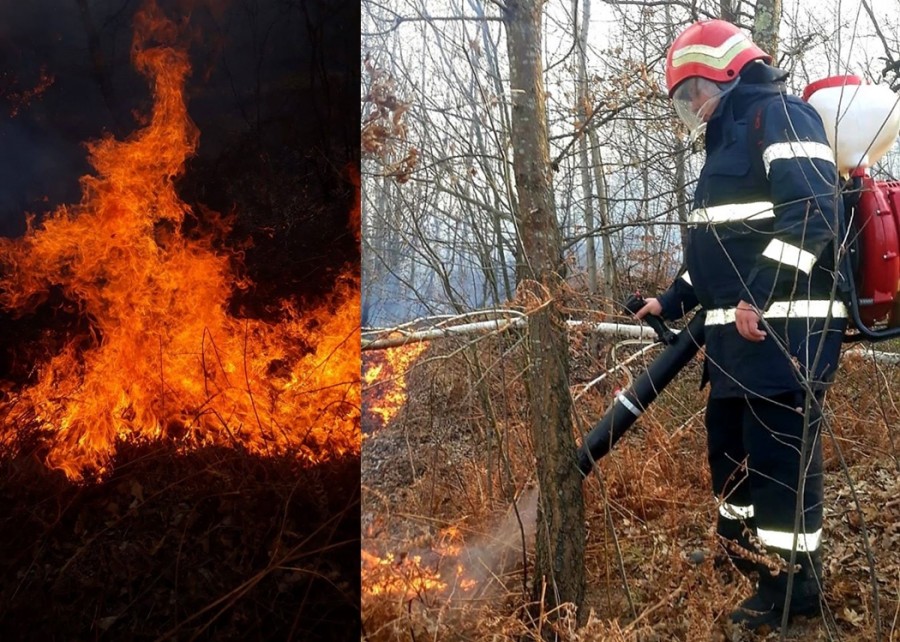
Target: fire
[(384, 379), (165, 359), (434, 573), (406, 577)]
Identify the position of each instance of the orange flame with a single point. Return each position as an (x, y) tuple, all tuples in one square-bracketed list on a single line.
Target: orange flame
[(429, 574), (406, 577), (165, 359), (384, 379)]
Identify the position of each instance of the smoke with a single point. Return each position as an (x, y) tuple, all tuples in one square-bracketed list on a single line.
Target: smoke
[(458, 573), (492, 555)]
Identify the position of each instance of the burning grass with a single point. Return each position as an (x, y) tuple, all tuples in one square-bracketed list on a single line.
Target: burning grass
[(161, 356), (384, 382), (459, 454), (172, 466)]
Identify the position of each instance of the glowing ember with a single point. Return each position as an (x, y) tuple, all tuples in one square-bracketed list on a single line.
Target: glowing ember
[(164, 358), (22, 97), (384, 379)]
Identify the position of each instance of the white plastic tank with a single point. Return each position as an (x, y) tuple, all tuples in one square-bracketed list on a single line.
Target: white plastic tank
[(862, 121)]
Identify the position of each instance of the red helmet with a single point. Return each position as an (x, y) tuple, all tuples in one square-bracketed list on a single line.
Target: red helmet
[(711, 49)]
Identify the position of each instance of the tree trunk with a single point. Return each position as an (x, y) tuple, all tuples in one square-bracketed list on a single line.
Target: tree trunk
[(680, 158), (610, 275), (765, 25), (682, 148), (728, 10), (590, 250), (559, 562), (583, 102)]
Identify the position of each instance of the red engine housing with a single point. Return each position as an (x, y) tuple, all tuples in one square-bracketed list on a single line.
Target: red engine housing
[(876, 224)]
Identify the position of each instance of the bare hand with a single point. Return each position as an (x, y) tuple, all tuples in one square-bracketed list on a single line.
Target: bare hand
[(746, 318), (651, 306)]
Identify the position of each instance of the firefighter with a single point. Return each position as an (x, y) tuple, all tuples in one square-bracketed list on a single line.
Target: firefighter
[(760, 252)]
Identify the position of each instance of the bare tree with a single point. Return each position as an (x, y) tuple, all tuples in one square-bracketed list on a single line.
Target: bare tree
[(560, 533), (589, 156), (583, 102)]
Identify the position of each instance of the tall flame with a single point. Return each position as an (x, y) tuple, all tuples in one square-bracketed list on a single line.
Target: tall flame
[(165, 359)]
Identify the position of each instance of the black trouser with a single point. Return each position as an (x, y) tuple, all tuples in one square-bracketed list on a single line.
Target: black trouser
[(755, 460)]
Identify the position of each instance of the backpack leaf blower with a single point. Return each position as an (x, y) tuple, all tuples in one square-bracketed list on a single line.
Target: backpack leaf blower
[(629, 404), (862, 122)]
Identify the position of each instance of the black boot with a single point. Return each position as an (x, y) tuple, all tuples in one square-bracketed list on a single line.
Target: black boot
[(763, 611)]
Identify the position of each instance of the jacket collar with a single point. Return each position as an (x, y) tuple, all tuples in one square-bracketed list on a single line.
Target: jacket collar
[(757, 81)]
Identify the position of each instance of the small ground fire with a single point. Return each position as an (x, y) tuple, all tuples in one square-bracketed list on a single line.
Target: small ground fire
[(430, 573)]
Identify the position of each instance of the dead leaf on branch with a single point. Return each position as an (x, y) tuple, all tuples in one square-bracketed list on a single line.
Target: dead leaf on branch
[(402, 170), (384, 131)]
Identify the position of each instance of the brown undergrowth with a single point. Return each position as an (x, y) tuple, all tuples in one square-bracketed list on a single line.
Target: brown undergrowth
[(448, 503), (216, 544)]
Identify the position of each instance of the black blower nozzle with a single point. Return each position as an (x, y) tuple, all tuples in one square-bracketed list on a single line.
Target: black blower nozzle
[(630, 403)]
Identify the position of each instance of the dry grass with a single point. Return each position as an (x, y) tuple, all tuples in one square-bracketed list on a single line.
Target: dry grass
[(459, 453), (217, 544)]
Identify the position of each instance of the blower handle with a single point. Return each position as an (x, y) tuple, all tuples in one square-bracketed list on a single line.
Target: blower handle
[(634, 303)]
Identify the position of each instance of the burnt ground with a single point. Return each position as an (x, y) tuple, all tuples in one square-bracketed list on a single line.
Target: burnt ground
[(216, 544), (456, 455)]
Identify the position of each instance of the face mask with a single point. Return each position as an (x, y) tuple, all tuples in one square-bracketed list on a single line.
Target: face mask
[(695, 100)]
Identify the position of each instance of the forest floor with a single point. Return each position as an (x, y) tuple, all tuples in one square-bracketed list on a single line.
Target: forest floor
[(448, 509)]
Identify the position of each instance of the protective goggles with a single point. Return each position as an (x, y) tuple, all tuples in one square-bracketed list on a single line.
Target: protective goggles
[(695, 100)]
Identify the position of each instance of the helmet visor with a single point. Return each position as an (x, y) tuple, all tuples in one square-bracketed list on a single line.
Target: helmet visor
[(695, 100)]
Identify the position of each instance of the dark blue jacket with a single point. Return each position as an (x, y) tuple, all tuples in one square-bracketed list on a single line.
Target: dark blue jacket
[(763, 228)]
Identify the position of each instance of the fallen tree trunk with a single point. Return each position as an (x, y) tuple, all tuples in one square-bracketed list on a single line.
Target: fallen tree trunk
[(397, 337), (391, 338)]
